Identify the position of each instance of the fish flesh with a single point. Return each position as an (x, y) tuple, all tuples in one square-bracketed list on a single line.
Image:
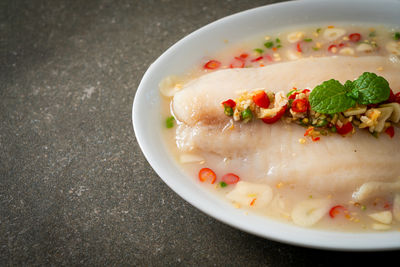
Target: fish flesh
[(273, 153)]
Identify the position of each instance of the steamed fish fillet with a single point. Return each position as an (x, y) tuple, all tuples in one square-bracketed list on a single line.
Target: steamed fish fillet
[(273, 153), (200, 99)]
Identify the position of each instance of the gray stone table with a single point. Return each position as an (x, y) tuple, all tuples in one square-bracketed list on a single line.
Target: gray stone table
[(75, 188)]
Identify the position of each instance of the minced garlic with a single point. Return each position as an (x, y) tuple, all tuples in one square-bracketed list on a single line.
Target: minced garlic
[(302, 140)]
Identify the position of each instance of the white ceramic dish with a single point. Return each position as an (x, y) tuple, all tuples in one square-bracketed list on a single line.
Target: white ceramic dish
[(180, 57)]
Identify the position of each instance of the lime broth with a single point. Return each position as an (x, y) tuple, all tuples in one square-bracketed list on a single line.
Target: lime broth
[(273, 48)]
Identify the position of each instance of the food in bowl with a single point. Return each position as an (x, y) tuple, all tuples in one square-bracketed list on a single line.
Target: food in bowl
[(299, 125)]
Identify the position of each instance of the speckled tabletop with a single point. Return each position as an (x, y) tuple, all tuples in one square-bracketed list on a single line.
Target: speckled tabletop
[(75, 188)]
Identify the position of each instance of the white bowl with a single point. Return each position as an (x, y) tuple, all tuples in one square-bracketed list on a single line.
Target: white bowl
[(181, 56)]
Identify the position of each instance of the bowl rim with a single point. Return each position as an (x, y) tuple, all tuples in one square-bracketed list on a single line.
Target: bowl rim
[(286, 233)]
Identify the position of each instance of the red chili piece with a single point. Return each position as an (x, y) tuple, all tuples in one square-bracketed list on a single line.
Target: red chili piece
[(345, 129), (261, 99), (279, 114), (269, 58), (336, 210), (392, 97), (244, 55), (298, 48), (308, 131), (390, 131), (238, 62), (355, 37), (315, 139), (300, 105), (293, 96), (229, 103), (257, 59), (212, 65), (331, 47), (230, 178), (207, 174), (397, 97), (372, 105)]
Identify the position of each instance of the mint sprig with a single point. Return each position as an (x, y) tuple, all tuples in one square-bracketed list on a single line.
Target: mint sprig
[(371, 88), (331, 96)]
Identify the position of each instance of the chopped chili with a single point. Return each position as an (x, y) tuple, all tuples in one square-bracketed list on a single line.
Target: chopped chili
[(336, 210), (169, 122), (212, 65), (228, 110), (238, 62), (247, 115), (300, 105), (230, 178), (229, 103), (207, 174), (223, 184), (298, 48), (330, 48), (261, 99), (295, 92), (355, 37), (392, 97), (315, 139), (397, 97), (278, 115), (308, 131), (257, 59), (269, 58), (345, 129), (390, 131)]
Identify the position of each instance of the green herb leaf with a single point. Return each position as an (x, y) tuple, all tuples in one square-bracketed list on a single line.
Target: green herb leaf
[(330, 97), (278, 40), (169, 122), (308, 40), (269, 44), (259, 50), (371, 89), (351, 91), (372, 34), (223, 184), (396, 36), (349, 85)]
